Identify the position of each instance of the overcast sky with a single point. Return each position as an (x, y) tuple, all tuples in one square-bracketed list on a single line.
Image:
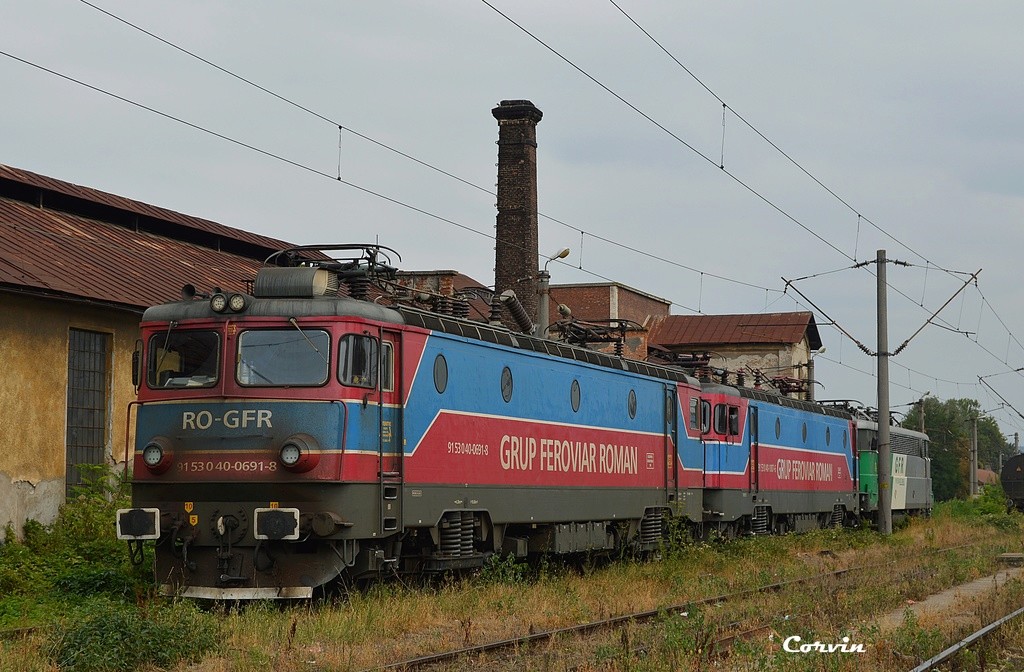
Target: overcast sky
[(911, 114)]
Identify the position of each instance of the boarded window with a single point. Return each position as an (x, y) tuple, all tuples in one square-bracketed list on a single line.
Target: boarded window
[(88, 402)]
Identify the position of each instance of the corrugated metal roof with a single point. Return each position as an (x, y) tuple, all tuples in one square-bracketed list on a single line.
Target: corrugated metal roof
[(128, 205), (679, 331), (64, 254)]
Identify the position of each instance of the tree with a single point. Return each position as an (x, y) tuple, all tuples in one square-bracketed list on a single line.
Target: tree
[(948, 425)]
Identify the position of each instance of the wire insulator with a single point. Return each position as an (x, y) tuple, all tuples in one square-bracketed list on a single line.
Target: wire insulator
[(515, 308), (495, 316)]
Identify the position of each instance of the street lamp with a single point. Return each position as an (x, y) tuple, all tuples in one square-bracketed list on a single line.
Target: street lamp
[(810, 373), (543, 280)]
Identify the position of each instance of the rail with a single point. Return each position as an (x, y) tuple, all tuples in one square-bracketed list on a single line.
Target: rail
[(965, 642), (637, 617)]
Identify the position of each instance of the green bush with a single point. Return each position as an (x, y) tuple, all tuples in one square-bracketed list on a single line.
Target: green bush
[(504, 569), (22, 572), (96, 580), (107, 636), (78, 555), (988, 507), (87, 518), (35, 536)]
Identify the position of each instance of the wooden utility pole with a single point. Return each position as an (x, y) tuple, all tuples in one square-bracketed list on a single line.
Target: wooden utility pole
[(884, 449)]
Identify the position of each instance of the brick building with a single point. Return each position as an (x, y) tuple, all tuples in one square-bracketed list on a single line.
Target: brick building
[(624, 310)]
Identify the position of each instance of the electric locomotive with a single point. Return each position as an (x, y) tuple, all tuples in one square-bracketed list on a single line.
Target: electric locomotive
[(304, 432), (1012, 479), (910, 471)]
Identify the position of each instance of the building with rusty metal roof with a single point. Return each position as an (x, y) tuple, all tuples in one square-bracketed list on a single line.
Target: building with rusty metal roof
[(77, 268), (763, 348)]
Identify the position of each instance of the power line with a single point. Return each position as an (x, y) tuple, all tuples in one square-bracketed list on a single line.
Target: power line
[(283, 99), (798, 165), (708, 159), (768, 140), (283, 159), (678, 139), (405, 155), (612, 242)]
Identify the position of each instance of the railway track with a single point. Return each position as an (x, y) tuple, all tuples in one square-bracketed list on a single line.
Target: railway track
[(535, 638), (967, 641)]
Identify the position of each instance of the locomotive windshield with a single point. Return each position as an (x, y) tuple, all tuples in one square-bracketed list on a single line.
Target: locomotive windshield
[(283, 357), (183, 359)]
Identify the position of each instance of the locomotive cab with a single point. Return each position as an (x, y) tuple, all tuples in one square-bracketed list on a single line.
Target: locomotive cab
[(267, 427)]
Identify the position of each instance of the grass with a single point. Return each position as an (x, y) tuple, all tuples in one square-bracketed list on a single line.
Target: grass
[(70, 599), (91, 610)]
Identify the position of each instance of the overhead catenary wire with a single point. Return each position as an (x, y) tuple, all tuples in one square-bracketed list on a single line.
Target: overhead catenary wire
[(410, 157), (805, 171), (666, 130), (283, 159), (1001, 397), (770, 142), (1011, 335), (706, 158), (562, 223)]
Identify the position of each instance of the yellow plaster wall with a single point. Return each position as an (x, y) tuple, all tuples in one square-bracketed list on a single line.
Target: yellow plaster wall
[(33, 397)]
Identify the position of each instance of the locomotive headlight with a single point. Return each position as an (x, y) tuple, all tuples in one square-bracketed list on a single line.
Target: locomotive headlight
[(290, 454), (300, 452), (157, 455), (152, 455), (218, 303), (236, 303)]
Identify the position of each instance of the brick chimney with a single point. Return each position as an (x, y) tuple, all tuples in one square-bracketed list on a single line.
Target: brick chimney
[(515, 250)]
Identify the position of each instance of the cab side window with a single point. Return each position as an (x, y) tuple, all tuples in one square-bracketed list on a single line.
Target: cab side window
[(705, 417), (727, 420), (720, 419), (357, 361), (387, 371)]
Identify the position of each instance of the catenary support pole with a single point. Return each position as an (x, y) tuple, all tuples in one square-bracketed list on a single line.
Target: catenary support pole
[(973, 475), (884, 449)]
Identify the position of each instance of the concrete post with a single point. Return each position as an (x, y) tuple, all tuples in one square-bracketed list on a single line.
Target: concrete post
[(884, 449)]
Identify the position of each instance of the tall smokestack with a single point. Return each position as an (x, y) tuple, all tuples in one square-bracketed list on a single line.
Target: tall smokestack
[(515, 250)]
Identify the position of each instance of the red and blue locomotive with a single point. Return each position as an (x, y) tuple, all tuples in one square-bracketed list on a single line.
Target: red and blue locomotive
[(298, 434)]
